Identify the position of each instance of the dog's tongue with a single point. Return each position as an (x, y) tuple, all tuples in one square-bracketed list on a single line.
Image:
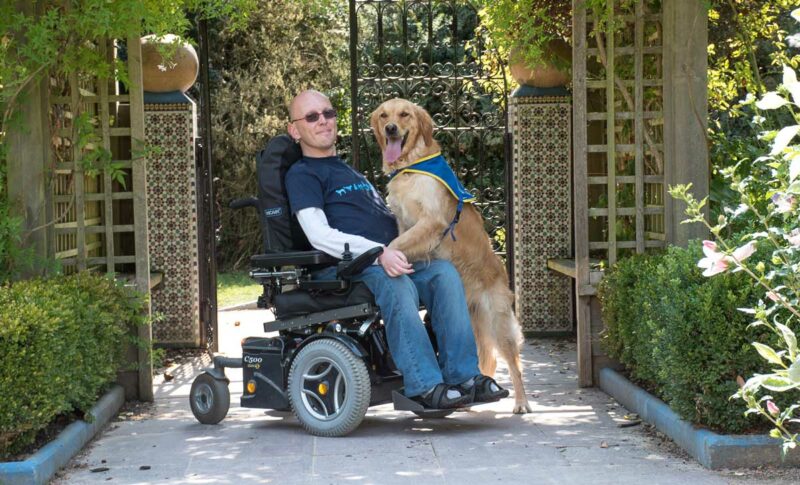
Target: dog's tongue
[(392, 151)]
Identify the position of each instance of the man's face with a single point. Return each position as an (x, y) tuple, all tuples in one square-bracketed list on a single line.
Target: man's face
[(319, 136)]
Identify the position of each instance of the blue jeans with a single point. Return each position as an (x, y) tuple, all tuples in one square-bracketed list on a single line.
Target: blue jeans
[(438, 286)]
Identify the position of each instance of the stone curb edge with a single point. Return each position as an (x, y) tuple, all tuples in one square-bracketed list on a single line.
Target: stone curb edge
[(712, 450), (240, 306), (42, 465)]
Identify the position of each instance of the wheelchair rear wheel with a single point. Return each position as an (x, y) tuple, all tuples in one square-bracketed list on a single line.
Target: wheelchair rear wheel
[(209, 399), (329, 388)]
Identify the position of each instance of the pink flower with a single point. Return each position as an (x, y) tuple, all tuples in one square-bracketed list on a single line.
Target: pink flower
[(784, 203), (793, 237), (773, 408), (717, 262), (744, 252), (773, 296)]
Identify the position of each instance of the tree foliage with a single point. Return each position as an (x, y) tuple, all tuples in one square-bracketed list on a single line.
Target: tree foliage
[(749, 42), (286, 47), (45, 38)]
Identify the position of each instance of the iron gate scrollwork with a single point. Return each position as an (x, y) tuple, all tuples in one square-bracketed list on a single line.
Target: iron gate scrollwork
[(431, 53)]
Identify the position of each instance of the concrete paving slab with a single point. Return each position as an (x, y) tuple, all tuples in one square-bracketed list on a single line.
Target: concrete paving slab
[(560, 442)]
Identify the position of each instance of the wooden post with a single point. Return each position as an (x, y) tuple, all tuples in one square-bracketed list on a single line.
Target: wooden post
[(29, 151), (139, 176), (581, 202), (29, 144), (685, 111)]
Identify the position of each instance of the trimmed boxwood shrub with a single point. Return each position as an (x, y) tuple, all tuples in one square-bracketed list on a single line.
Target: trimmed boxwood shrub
[(680, 335), (61, 344)]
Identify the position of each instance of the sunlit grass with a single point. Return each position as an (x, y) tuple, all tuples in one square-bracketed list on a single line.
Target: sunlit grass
[(236, 288)]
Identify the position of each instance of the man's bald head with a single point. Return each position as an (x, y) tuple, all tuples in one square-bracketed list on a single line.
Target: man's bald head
[(317, 138), (301, 100)]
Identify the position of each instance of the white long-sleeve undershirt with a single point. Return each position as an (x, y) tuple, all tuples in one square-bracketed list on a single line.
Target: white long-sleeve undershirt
[(327, 239)]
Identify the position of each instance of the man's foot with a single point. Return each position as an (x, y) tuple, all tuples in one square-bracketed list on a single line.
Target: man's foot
[(484, 389), (442, 396)]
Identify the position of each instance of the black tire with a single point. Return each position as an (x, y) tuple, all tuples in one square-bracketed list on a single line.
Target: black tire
[(339, 407), (209, 399)]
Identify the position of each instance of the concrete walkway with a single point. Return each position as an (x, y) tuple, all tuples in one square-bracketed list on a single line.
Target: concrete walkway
[(572, 436)]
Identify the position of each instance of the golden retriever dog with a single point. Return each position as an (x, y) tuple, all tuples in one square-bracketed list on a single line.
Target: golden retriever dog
[(425, 209)]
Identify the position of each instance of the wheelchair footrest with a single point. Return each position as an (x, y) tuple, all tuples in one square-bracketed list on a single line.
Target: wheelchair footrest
[(403, 403)]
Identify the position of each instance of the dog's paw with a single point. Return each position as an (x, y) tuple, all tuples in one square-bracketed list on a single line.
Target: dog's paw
[(522, 408)]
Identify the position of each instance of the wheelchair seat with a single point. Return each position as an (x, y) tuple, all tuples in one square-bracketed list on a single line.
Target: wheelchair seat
[(301, 302), (286, 246)]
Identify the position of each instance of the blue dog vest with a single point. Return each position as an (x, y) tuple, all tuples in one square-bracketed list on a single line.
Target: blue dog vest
[(435, 166)]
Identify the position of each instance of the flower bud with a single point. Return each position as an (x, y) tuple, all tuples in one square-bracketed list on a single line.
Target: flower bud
[(773, 408)]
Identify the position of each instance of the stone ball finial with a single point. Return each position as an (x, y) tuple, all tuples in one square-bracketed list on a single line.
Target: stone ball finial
[(178, 74)]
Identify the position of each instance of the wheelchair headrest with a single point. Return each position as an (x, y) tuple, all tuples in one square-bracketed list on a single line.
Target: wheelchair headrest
[(281, 150), (280, 229)]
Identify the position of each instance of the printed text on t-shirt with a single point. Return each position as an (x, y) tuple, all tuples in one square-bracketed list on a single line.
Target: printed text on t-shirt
[(349, 188)]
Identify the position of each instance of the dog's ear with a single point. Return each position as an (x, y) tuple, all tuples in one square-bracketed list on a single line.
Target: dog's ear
[(373, 123), (425, 125)]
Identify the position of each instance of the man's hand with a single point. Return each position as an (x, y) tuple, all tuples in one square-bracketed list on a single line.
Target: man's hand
[(394, 262)]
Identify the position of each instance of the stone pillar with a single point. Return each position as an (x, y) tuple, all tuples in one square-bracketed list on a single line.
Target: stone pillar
[(170, 132), (540, 123)]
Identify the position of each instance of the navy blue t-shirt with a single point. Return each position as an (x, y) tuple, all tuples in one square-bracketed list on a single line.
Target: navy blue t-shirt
[(350, 202)]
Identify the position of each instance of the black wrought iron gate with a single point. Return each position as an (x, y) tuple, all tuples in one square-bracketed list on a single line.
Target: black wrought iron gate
[(433, 53)]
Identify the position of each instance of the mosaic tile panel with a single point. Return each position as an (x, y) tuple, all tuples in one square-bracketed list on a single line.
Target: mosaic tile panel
[(541, 128), (172, 223)]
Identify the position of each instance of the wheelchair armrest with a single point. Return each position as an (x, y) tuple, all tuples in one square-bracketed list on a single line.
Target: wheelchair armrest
[(348, 269), (294, 258), (242, 203)]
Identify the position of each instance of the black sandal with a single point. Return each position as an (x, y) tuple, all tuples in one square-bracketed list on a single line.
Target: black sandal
[(483, 392), (437, 399)]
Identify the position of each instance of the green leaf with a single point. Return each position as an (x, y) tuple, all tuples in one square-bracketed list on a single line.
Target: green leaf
[(778, 383), (790, 339), (794, 372), (794, 167), (766, 352)]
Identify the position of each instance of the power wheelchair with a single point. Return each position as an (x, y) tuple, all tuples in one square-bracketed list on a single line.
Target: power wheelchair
[(330, 359)]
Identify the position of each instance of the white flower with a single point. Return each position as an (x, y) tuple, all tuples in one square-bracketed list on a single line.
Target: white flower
[(791, 84), (784, 203), (793, 237), (783, 138), (771, 100)]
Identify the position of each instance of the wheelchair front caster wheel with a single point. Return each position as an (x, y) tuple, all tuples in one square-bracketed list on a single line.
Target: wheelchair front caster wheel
[(329, 388), (209, 399)]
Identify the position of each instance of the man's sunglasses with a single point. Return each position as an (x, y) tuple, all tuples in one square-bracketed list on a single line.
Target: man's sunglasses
[(329, 114)]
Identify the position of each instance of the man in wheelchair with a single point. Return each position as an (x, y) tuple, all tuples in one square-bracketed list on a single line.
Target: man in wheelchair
[(336, 205), (329, 361)]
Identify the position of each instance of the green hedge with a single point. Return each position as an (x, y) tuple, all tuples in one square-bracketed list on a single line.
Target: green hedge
[(61, 342), (681, 335)]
